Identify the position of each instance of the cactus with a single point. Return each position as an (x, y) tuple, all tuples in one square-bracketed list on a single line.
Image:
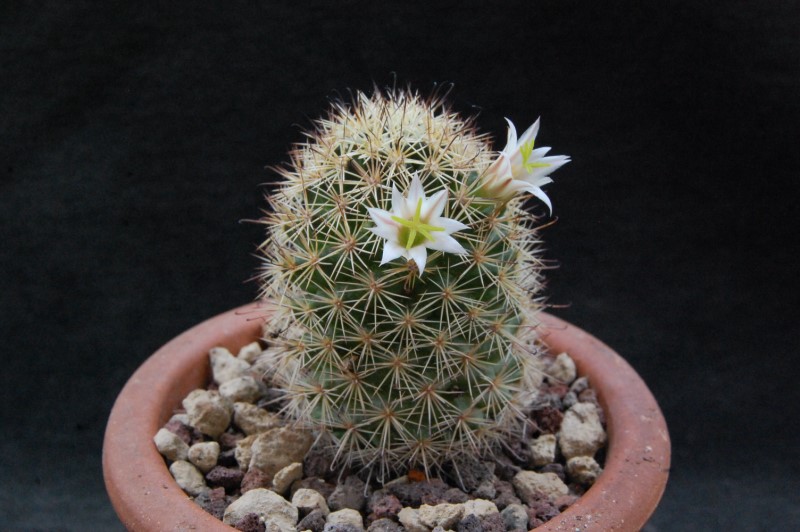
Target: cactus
[(400, 257)]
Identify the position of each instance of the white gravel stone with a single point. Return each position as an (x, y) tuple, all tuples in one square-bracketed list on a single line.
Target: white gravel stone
[(581, 432), (530, 484), (284, 478), (563, 369), (307, 500), (244, 451), (345, 517), (276, 512), (208, 412), (250, 352), (254, 420), (409, 518), (444, 515), (480, 508), (277, 448), (170, 445), (583, 469), (188, 477), (182, 418), (225, 366), (204, 455), (240, 389), (543, 450)]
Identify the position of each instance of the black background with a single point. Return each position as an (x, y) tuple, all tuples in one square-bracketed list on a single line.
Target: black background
[(135, 137)]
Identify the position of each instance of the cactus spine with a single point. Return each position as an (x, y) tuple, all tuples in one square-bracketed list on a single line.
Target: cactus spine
[(401, 365)]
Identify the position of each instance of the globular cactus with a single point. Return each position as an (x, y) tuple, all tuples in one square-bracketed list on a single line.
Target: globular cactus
[(400, 257)]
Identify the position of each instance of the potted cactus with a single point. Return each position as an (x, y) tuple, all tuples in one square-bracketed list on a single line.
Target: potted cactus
[(401, 291)]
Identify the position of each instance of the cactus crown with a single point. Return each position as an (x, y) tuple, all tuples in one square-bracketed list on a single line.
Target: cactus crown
[(398, 252)]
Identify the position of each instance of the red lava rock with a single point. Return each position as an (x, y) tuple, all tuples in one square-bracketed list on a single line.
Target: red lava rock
[(183, 431), (541, 509), (317, 462), (383, 504), (255, 478), (493, 523), (227, 440), (547, 419), (228, 478), (250, 523)]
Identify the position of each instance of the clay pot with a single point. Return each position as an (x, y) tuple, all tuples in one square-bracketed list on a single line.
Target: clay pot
[(146, 497)]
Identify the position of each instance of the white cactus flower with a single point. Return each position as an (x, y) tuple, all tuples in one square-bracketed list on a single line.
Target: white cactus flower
[(521, 168), (414, 225)]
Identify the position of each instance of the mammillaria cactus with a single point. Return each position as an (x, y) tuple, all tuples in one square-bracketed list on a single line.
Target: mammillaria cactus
[(408, 274)]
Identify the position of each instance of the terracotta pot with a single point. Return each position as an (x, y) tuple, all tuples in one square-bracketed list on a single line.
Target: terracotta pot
[(146, 497)]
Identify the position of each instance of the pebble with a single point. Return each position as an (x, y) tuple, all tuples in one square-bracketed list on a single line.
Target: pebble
[(581, 432), (204, 455), (515, 517), (254, 479), (250, 352), (170, 445), (493, 523), (250, 523), (277, 448), (470, 523), (443, 515), (480, 508), (225, 366), (276, 512), (409, 518), (563, 369), (307, 501), (213, 501), (583, 469), (531, 485), (208, 412), (543, 450), (346, 517), (188, 477), (284, 478), (240, 389), (383, 504), (505, 495)]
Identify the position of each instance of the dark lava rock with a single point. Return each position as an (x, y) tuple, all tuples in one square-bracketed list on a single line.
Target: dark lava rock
[(564, 501), (415, 494), (385, 525), (505, 468), (348, 494), (213, 501), (454, 496), (342, 528), (317, 462), (228, 478), (468, 472), (227, 440), (188, 434), (471, 523), (250, 523), (228, 458), (541, 509), (504, 494), (314, 521)]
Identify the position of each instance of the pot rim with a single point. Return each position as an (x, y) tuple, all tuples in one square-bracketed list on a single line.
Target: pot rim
[(146, 497)]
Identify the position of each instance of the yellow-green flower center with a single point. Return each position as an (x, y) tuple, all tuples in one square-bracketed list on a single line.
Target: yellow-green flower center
[(415, 231), (525, 150)]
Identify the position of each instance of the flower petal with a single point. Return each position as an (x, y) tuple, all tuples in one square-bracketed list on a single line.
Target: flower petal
[(432, 207), (539, 193), (415, 192), (450, 225), (420, 256), (391, 251), (446, 243)]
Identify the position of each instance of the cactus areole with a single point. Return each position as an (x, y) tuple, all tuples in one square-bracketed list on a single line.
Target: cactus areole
[(409, 278)]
